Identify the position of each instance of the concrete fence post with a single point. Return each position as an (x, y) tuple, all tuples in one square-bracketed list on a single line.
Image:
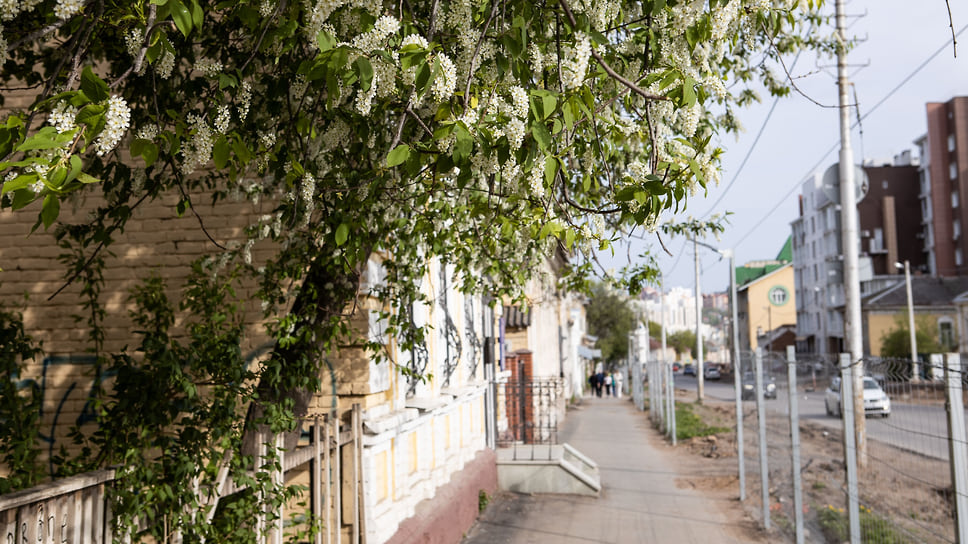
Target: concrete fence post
[(795, 443), (761, 424), (956, 443), (850, 446)]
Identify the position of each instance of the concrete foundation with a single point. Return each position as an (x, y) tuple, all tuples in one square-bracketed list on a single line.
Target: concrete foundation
[(547, 469), (450, 513)]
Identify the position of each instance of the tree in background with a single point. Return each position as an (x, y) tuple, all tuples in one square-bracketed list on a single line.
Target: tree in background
[(897, 342), (683, 342), (610, 318), (484, 134)]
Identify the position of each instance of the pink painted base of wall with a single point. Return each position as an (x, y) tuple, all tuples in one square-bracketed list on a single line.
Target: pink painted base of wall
[(450, 513)]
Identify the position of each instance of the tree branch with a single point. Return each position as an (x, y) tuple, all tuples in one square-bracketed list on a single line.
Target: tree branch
[(477, 50), (608, 69)]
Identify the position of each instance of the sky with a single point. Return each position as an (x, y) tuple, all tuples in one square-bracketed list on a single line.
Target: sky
[(898, 36)]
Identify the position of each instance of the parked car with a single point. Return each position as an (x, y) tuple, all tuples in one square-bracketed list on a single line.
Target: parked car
[(676, 366), (712, 372), (749, 387), (876, 400), (689, 370)]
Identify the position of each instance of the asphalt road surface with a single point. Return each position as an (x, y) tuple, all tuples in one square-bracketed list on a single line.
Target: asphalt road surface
[(920, 428)]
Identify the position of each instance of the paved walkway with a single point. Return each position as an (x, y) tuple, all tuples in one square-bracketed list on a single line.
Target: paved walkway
[(639, 503)]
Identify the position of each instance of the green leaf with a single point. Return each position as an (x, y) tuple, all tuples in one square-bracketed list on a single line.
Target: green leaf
[(17, 183), (364, 70), (76, 166), (688, 92), (424, 77), (541, 135), (181, 16), (220, 153), (550, 169), (325, 41), (87, 178), (398, 155), (150, 153), (197, 14), (38, 141), (50, 211), (93, 87), (342, 233), (90, 114)]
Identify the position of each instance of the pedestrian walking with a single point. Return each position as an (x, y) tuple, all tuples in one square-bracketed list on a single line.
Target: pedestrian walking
[(608, 384), (617, 384)]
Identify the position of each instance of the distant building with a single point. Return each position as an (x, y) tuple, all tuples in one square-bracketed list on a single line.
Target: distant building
[(944, 182), (679, 308), (889, 217), (766, 302)]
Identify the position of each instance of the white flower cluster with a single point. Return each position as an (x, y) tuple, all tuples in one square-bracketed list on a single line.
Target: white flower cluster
[(209, 67), (515, 131), (117, 120), (536, 179), (537, 59), (336, 135), (415, 39), (375, 38), (445, 83), (575, 62), (317, 18), (165, 64), (65, 9), (222, 119), (245, 99), (62, 117), (519, 101), (199, 150), (266, 8), (12, 8), (133, 40), (147, 132), (4, 56), (364, 99), (637, 171), (307, 192)]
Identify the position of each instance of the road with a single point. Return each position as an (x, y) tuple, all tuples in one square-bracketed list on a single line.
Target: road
[(920, 428)]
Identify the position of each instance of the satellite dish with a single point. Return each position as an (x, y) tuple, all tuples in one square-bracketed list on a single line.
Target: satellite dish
[(831, 183)]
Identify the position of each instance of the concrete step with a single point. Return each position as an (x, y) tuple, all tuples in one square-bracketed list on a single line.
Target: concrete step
[(539, 468)]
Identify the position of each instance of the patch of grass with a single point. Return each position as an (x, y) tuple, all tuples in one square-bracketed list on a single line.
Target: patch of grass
[(818, 485), (689, 424), (482, 500), (873, 528)]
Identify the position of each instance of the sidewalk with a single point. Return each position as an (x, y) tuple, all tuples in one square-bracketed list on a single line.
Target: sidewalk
[(639, 503)]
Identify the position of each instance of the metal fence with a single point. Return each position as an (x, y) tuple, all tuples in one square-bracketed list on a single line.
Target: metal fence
[(660, 391), (533, 408), (896, 473)]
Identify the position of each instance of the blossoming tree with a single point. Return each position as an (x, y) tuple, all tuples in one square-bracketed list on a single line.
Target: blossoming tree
[(485, 133)]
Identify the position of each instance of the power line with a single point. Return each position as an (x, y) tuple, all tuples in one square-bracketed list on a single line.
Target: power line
[(837, 144)]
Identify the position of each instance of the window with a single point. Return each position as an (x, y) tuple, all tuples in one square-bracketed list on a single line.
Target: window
[(877, 243), (951, 142), (956, 229), (959, 260), (946, 334), (953, 170), (954, 198), (778, 295)]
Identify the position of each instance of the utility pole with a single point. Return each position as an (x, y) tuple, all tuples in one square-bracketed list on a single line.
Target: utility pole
[(699, 365), (848, 223)]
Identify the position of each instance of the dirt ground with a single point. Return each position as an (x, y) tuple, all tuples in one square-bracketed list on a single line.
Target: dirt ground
[(914, 500)]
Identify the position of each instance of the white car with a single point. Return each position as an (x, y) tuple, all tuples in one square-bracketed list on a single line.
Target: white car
[(876, 400)]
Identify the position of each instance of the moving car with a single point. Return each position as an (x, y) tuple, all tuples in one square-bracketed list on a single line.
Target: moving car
[(689, 370), (712, 372), (876, 400), (749, 387)]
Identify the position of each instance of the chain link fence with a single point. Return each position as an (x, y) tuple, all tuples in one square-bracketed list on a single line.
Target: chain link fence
[(899, 473)]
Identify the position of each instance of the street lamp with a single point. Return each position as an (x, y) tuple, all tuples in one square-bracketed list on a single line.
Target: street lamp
[(910, 304)]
